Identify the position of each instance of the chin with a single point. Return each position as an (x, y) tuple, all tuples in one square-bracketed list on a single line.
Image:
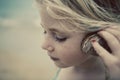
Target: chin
[(62, 66)]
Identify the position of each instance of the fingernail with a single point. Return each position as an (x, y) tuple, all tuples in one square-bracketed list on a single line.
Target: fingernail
[(93, 40)]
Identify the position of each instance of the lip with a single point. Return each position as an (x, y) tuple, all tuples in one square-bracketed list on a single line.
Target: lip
[(54, 59)]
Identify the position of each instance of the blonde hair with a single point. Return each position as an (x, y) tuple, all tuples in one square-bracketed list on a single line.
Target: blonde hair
[(85, 15)]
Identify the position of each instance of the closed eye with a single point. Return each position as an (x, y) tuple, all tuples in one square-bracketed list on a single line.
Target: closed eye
[(56, 35), (59, 37)]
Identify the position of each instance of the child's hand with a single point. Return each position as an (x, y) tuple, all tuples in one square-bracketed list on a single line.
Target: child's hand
[(111, 60)]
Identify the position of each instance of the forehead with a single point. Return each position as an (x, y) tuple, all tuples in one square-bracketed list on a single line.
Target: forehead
[(46, 19), (49, 22)]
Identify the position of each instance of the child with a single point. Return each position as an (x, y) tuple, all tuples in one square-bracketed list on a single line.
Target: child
[(82, 37)]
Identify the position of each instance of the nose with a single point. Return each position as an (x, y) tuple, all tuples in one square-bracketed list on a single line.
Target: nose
[(47, 45)]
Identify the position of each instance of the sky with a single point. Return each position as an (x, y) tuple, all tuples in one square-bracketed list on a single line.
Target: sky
[(20, 41), (10, 7), (18, 12), (17, 17)]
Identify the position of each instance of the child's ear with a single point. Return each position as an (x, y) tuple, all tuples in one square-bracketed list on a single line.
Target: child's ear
[(86, 45)]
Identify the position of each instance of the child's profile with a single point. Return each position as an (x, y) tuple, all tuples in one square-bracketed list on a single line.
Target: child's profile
[(67, 23)]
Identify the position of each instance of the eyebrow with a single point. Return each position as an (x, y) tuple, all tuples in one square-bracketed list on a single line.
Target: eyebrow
[(53, 29)]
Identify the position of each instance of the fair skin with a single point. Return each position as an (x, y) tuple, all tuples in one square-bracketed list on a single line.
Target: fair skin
[(111, 60), (64, 49), (58, 43)]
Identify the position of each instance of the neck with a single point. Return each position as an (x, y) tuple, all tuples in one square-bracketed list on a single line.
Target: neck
[(93, 69), (91, 65)]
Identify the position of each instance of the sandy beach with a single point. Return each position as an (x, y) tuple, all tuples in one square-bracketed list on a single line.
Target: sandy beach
[(21, 57)]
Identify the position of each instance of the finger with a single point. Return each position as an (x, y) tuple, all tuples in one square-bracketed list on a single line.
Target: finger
[(111, 40), (108, 58), (115, 32), (115, 27)]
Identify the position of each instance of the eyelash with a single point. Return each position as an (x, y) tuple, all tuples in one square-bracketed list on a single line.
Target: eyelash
[(59, 39)]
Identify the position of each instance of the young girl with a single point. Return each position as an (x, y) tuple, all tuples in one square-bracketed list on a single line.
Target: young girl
[(82, 37)]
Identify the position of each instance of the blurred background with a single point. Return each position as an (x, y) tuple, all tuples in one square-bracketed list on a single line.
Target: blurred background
[(21, 57)]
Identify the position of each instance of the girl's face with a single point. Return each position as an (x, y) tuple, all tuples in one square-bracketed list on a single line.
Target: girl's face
[(62, 46)]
